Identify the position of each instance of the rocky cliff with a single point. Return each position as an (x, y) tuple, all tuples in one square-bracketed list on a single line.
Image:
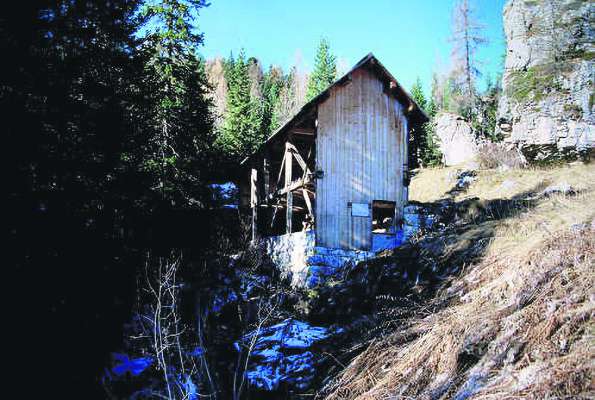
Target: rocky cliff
[(215, 70), (547, 107)]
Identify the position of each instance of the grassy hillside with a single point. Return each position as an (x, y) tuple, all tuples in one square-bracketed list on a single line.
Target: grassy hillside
[(513, 318)]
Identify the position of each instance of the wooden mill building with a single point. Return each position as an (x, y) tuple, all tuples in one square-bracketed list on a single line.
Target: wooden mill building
[(340, 165)]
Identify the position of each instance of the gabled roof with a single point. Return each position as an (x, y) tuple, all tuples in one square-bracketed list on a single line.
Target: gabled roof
[(413, 111)]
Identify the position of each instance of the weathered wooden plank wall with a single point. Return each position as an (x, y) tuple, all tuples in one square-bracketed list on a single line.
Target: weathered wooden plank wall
[(361, 147)]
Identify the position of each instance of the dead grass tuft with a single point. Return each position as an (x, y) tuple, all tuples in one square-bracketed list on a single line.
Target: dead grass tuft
[(499, 155)]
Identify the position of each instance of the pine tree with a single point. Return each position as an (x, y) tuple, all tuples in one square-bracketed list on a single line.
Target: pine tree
[(431, 108), (325, 70)]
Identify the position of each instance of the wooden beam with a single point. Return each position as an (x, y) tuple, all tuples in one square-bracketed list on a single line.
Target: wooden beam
[(288, 178), (295, 208), (266, 175), (292, 186), (298, 158), (254, 202), (281, 168), (307, 189), (304, 131), (276, 207), (308, 203)]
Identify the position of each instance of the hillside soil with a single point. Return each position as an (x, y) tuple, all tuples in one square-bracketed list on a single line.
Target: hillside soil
[(505, 309)]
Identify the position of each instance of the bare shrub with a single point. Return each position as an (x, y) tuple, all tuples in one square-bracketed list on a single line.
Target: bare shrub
[(499, 155)]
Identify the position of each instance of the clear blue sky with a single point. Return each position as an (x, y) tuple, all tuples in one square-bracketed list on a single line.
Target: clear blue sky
[(410, 37)]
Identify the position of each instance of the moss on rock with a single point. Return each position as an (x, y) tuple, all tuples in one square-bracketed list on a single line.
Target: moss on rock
[(533, 84)]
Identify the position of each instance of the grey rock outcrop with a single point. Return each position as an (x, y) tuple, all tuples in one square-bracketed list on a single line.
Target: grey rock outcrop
[(547, 106), (457, 140), (215, 71)]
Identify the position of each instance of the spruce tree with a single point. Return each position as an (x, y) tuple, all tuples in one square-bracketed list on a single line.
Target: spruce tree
[(271, 90), (431, 156), (241, 132), (417, 93), (325, 70), (417, 145), (66, 94), (177, 117), (425, 143)]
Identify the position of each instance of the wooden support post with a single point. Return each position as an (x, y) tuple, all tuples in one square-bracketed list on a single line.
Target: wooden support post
[(298, 158), (266, 176), (308, 203), (254, 202), (288, 178)]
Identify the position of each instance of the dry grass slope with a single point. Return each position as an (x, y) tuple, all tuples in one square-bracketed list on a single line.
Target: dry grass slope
[(517, 323)]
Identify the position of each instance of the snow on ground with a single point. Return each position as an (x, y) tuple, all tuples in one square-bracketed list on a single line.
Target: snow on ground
[(133, 365), (282, 354), (225, 194)]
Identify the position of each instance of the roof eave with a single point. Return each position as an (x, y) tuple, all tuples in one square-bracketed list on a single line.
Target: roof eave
[(416, 111)]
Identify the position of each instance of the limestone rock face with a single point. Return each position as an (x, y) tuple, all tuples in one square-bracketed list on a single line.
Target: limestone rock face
[(215, 71), (457, 140), (547, 106)]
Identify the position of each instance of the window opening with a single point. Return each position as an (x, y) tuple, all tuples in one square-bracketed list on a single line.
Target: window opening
[(383, 216)]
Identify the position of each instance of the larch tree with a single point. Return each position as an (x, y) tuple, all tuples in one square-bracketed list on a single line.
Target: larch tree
[(289, 97), (325, 70), (466, 38)]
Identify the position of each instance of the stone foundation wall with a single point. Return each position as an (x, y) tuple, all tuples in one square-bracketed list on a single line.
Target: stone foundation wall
[(288, 253), (308, 265)]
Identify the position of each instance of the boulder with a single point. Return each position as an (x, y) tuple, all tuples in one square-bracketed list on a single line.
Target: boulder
[(457, 141)]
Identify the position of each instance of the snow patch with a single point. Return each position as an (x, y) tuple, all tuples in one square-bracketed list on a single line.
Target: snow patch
[(133, 365), (282, 353)]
